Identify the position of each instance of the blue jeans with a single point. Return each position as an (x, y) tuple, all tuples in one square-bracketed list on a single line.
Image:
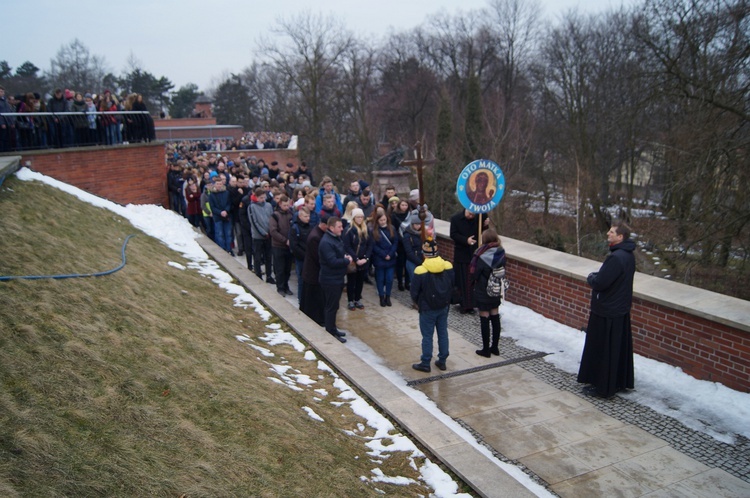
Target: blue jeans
[(384, 280), (429, 321), (223, 233), (410, 267), (209, 227)]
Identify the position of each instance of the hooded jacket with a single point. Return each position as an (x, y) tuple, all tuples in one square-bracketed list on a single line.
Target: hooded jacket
[(298, 233), (219, 201), (492, 258), (612, 285), (412, 242), (259, 213), (432, 284)]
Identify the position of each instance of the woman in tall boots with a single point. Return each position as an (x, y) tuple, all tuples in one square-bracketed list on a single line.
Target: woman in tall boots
[(488, 257)]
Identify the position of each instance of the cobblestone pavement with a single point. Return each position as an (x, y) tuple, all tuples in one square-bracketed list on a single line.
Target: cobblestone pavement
[(733, 458)]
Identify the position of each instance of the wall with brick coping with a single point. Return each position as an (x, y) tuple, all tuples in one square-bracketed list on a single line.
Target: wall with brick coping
[(125, 174), (704, 333)]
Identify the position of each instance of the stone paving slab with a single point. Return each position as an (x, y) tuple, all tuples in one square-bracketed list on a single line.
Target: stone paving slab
[(485, 477), (526, 413)]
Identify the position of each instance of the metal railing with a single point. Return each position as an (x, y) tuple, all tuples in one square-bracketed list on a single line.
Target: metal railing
[(51, 130)]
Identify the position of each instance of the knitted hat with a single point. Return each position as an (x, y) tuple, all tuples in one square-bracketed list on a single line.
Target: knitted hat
[(357, 212), (414, 195), (413, 217), (394, 199), (429, 248)]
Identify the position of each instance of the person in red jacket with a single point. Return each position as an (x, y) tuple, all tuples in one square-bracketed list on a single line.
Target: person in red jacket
[(193, 198), (278, 228)]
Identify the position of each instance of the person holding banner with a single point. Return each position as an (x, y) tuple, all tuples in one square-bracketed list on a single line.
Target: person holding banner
[(464, 231)]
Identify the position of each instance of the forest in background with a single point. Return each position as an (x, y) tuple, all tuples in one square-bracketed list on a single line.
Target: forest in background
[(634, 108)]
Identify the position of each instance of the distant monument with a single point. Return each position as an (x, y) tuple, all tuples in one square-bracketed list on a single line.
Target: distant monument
[(387, 170)]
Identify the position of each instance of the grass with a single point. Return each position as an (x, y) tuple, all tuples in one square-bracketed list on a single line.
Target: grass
[(134, 384)]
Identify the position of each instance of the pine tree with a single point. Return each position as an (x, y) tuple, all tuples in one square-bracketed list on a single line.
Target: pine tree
[(473, 126), (441, 178)]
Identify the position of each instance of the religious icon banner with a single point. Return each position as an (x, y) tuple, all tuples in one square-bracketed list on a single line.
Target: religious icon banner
[(480, 186)]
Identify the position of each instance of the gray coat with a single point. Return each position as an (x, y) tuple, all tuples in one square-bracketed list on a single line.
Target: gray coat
[(260, 218)]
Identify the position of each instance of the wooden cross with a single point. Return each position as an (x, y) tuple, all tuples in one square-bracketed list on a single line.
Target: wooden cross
[(419, 162)]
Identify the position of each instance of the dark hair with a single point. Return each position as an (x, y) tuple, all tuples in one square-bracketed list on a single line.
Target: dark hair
[(489, 236), (623, 229), (332, 221)]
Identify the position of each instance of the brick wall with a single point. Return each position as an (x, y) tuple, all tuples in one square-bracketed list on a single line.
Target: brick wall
[(127, 174), (714, 349)]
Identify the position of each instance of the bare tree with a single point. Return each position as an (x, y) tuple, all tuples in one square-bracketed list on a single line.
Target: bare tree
[(407, 101), (510, 120), (75, 67), (309, 56), (356, 97), (700, 57)]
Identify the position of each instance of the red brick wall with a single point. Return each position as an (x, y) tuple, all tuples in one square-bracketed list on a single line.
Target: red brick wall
[(127, 174), (705, 349)]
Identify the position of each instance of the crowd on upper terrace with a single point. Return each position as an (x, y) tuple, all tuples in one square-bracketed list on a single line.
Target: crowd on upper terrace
[(252, 140), (70, 119)]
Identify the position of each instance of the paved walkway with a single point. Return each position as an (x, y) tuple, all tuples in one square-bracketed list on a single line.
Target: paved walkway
[(519, 406)]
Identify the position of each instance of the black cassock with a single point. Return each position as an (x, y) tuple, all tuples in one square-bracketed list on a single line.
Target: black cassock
[(607, 359)]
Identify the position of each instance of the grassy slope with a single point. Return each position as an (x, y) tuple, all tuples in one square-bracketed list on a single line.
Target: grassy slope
[(134, 385)]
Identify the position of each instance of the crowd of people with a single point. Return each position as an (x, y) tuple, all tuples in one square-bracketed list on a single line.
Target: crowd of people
[(277, 219), (70, 118)]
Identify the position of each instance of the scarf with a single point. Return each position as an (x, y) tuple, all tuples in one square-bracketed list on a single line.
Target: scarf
[(477, 254)]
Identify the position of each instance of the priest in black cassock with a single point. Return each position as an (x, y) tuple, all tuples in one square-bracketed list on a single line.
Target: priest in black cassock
[(607, 360)]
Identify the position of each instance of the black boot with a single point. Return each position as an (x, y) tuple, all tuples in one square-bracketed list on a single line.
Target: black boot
[(382, 301), (484, 323), (495, 321), (388, 300)]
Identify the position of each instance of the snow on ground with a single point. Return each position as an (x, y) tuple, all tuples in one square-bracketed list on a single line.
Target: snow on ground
[(705, 406)]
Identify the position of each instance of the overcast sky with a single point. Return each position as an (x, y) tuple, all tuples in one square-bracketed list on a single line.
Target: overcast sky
[(197, 41)]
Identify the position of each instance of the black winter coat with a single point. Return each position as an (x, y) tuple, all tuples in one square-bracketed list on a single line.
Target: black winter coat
[(355, 248), (491, 259), (332, 261), (311, 265), (412, 243), (461, 229), (612, 285), (298, 233)]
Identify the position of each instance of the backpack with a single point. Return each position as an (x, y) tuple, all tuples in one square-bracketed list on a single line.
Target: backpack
[(497, 283)]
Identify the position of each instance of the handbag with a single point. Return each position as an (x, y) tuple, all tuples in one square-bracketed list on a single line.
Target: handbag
[(352, 267)]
